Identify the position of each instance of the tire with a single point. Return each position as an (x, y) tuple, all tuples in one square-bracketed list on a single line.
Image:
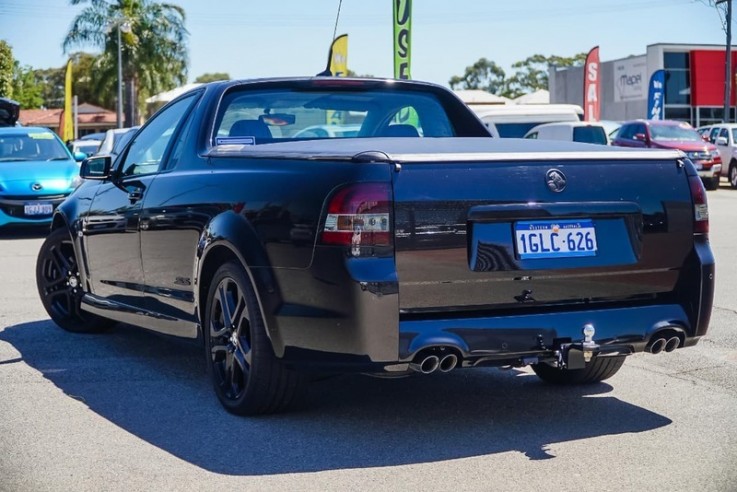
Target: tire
[(733, 175), (58, 283), (247, 376), (599, 369), (712, 184)]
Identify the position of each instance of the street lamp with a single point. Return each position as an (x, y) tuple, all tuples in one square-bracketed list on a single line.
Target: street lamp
[(126, 28), (728, 68)]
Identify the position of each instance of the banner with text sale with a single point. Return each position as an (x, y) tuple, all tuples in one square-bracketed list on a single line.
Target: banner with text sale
[(591, 87)]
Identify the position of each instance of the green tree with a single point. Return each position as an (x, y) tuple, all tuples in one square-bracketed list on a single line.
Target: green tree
[(212, 77), (26, 89), (484, 74), (154, 50), (532, 72), (7, 67)]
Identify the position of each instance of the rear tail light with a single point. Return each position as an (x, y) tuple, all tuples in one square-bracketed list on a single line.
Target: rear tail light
[(700, 207), (359, 216)]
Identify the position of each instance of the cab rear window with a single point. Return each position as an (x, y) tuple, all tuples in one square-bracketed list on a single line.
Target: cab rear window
[(260, 116)]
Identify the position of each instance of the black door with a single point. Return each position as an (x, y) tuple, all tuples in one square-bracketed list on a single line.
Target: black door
[(111, 230)]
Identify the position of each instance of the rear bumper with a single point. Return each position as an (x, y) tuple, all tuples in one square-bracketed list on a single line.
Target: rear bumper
[(343, 315)]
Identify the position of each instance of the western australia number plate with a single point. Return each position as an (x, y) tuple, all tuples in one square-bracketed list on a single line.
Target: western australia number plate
[(555, 239), (38, 208)]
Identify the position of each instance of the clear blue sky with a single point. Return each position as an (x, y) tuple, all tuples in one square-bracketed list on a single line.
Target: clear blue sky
[(256, 38)]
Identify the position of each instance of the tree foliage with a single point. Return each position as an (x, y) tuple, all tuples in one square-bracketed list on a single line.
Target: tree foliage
[(530, 74), (7, 67), (154, 52), (212, 77), (26, 89), (484, 74)]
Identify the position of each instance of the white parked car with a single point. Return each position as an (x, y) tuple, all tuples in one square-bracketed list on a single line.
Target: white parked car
[(724, 136), (514, 120), (571, 131)]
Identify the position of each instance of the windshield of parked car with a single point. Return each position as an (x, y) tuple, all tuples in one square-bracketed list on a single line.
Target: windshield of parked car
[(258, 116), (676, 133), (31, 146)]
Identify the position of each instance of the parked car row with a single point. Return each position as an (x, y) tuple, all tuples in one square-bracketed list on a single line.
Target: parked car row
[(724, 136)]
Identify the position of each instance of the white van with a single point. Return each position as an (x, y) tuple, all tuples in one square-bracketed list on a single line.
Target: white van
[(571, 131), (514, 121)]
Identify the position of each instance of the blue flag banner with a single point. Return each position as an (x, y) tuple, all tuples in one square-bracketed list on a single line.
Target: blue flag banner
[(656, 96)]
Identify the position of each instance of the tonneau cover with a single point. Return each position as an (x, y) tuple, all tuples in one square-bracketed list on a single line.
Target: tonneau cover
[(453, 149)]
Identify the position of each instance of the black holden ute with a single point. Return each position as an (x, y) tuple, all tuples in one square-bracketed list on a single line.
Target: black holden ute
[(412, 244)]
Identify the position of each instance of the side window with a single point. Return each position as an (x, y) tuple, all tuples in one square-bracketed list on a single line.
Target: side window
[(724, 133), (627, 132), (146, 153), (713, 134), (532, 135)]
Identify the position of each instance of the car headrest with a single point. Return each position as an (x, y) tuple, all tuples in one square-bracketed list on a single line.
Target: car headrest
[(250, 128), (400, 131)]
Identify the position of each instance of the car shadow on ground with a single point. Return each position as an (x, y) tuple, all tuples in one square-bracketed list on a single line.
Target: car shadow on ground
[(157, 389), (13, 232)]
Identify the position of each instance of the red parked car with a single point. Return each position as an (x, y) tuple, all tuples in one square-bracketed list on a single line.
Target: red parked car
[(668, 134)]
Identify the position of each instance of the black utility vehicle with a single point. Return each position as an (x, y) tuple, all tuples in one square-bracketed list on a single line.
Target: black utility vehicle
[(419, 244)]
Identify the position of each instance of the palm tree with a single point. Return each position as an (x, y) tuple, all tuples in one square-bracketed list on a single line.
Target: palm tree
[(154, 50)]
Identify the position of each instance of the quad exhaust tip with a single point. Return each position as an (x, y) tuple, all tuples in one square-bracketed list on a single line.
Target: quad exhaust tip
[(661, 344), (428, 363)]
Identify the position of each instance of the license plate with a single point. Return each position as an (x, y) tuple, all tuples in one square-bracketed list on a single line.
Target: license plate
[(555, 239), (38, 209)]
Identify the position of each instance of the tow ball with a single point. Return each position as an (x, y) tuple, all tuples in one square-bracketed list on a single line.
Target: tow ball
[(576, 355)]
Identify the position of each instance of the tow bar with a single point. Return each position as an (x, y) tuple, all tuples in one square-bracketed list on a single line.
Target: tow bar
[(576, 355)]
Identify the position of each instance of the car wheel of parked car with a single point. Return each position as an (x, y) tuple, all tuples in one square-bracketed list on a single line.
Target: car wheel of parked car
[(247, 376), (733, 175), (59, 285), (712, 184), (599, 369)]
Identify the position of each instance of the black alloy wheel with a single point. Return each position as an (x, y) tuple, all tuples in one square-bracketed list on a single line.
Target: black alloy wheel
[(230, 339), (247, 376), (59, 285)]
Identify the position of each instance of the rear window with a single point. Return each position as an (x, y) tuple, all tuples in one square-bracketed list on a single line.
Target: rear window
[(260, 116), (590, 134), (31, 146)]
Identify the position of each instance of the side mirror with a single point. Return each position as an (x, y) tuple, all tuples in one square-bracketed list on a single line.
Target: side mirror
[(79, 156), (722, 141), (640, 137), (98, 167)]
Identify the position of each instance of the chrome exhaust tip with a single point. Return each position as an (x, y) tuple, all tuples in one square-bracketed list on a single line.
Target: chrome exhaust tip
[(427, 365), (672, 344), (448, 363), (657, 346)]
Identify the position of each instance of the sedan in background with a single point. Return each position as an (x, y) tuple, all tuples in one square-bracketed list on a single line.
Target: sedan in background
[(37, 172), (670, 134)]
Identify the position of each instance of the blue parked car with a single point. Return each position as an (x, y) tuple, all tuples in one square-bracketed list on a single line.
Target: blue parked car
[(37, 172)]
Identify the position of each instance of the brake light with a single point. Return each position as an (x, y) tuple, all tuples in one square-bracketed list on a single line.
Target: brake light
[(359, 215), (700, 207)]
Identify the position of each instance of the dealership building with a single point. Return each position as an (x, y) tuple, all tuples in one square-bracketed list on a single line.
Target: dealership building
[(694, 83)]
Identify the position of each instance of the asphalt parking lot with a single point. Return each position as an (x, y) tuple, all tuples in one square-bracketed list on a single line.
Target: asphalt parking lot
[(129, 410)]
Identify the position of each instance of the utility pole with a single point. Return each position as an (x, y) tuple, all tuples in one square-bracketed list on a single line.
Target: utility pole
[(728, 69)]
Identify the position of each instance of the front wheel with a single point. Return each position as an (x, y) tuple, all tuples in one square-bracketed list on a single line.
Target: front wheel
[(59, 285), (247, 376), (598, 369), (733, 175), (712, 184)]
